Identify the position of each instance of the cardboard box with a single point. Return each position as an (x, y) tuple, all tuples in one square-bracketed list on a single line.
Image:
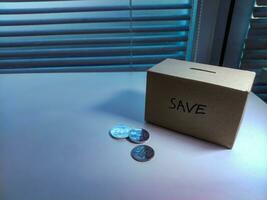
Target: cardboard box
[(203, 101)]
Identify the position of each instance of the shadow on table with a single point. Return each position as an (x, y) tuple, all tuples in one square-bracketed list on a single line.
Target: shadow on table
[(129, 104)]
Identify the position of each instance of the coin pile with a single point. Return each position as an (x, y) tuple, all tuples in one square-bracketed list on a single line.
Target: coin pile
[(141, 153)]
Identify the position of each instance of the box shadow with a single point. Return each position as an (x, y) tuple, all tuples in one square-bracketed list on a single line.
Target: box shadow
[(128, 103)]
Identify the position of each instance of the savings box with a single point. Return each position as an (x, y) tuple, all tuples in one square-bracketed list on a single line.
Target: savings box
[(199, 100)]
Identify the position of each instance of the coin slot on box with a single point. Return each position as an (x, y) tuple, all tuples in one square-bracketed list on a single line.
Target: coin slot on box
[(203, 70)]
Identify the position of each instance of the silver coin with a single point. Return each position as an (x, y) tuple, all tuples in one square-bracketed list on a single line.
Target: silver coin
[(142, 153), (120, 132), (138, 135)]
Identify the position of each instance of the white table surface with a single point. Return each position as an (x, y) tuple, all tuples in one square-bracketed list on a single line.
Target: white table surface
[(54, 144)]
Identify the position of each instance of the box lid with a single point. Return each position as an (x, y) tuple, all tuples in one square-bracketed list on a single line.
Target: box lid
[(227, 77)]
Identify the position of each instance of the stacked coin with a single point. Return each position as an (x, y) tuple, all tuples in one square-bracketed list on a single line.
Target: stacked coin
[(120, 132), (137, 135), (140, 153)]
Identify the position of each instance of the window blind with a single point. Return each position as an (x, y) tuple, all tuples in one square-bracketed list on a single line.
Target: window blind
[(255, 49), (103, 34)]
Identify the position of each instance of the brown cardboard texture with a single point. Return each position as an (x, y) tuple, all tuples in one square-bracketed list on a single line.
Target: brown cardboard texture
[(200, 100)]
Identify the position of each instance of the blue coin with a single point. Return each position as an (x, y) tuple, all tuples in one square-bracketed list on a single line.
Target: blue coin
[(120, 132), (142, 153), (138, 135)]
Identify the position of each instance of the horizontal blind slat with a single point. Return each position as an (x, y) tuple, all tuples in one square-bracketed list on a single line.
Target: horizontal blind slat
[(90, 19), (258, 23), (263, 96), (261, 2), (77, 68), (257, 33), (80, 6), (253, 63), (64, 29), (96, 51), (256, 43), (255, 54), (110, 40), (81, 61), (260, 12), (260, 88)]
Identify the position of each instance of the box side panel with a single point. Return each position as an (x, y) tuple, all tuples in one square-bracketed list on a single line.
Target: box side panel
[(194, 108), (149, 90), (245, 96)]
